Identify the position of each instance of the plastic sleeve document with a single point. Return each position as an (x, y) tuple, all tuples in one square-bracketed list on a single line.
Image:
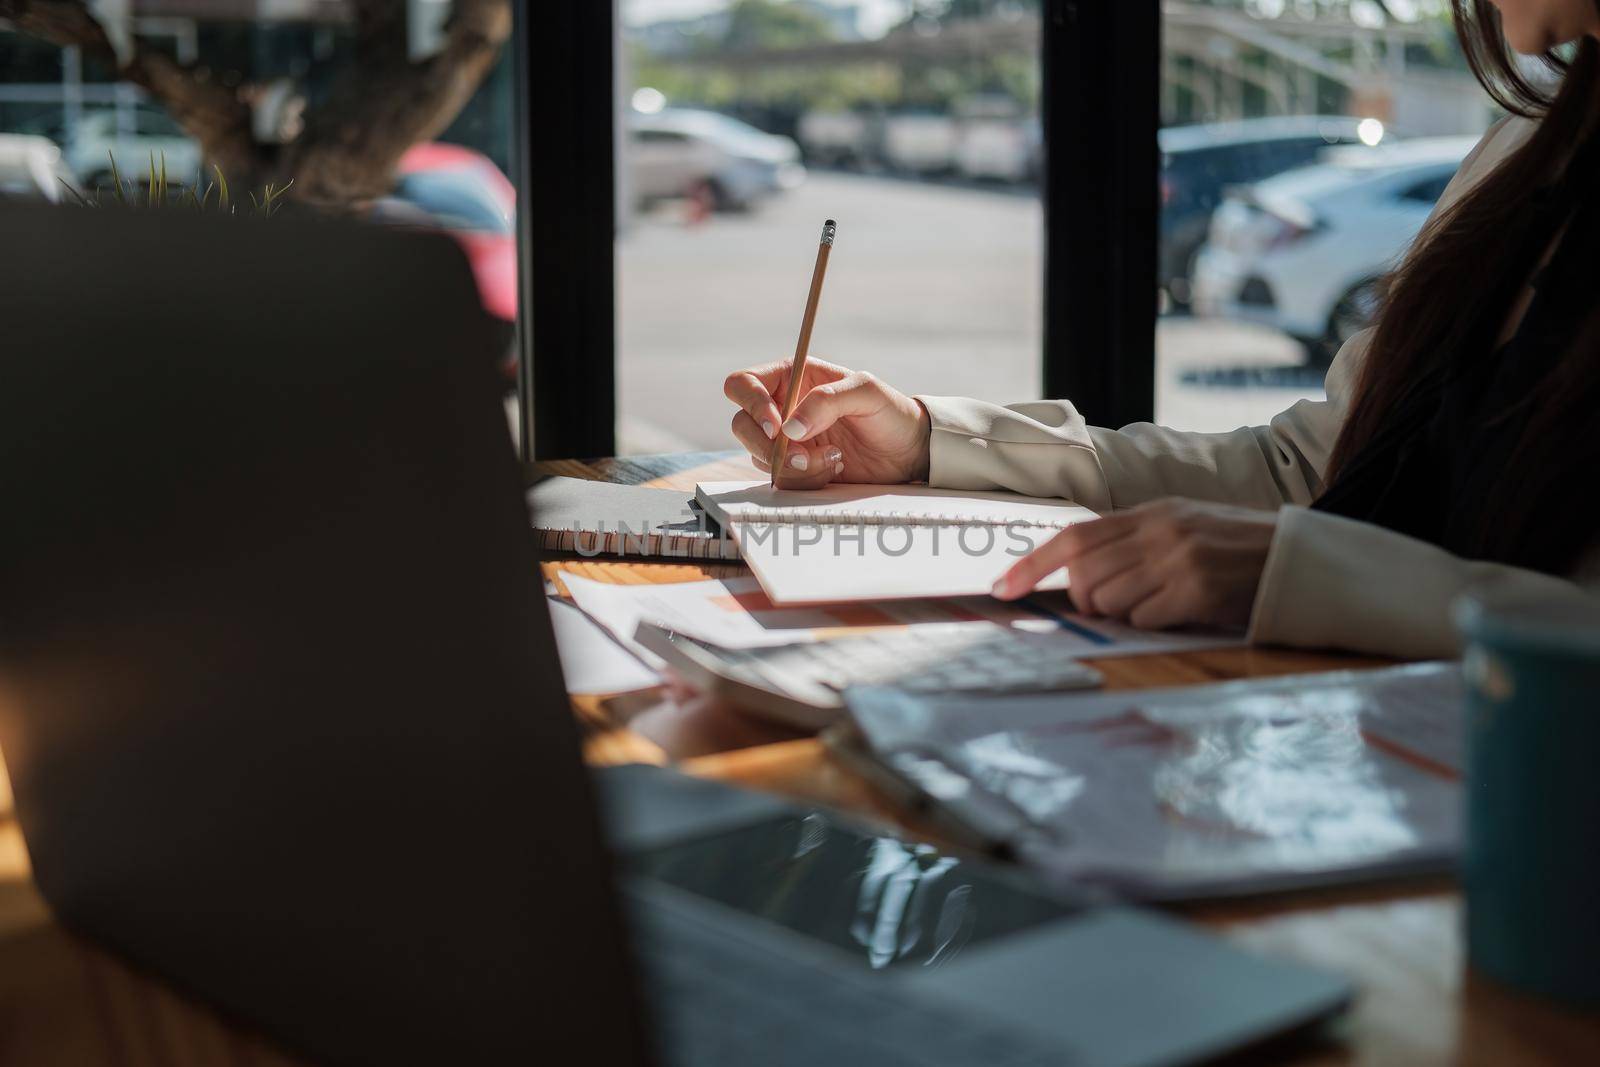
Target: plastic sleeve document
[(882, 542), (1198, 791)]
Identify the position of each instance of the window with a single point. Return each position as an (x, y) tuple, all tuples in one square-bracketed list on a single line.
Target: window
[(1292, 141), (914, 124), (279, 81)]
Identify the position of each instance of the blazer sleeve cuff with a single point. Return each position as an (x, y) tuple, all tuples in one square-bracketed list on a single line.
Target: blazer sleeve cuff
[(1039, 449)]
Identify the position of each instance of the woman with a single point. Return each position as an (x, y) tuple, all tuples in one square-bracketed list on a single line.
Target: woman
[(1458, 444)]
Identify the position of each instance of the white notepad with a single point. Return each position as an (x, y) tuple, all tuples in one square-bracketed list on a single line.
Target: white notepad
[(882, 542)]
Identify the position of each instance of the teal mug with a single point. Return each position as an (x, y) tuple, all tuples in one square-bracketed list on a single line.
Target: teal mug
[(1531, 871)]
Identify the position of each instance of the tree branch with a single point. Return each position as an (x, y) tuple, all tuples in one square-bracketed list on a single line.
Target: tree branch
[(384, 103), (215, 115), (67, 23), (380, 24)]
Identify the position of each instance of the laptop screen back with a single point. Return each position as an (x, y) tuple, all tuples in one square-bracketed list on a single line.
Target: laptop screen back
[(278, 693)]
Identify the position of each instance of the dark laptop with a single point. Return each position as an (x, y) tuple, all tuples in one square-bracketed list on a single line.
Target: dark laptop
[(285, 724)]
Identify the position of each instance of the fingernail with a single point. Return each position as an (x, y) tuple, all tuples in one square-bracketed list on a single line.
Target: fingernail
[(1002, 588), (768, 428), (833, 455), (794, 429), (798, 460), (838, 468)]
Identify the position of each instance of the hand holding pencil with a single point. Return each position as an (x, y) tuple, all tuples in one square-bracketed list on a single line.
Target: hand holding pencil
[(834, 424)]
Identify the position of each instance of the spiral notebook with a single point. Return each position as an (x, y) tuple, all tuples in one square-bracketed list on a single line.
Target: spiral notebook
[(882, 542), (594, 518)]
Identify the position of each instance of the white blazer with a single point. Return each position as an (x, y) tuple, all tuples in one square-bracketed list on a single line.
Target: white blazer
[(1330, 582)]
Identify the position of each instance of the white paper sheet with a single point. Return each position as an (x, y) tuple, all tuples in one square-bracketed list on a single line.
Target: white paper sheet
[(854, 543), (591, 662), (836, 564), (848, 502)]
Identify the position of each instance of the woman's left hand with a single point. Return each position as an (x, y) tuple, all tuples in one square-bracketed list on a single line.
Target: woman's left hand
[(1167, 563)]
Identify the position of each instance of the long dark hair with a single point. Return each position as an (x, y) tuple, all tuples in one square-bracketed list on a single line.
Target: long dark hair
[(1458, 266)]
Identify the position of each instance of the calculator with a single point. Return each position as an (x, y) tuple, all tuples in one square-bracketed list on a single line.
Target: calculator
[(802, 683)]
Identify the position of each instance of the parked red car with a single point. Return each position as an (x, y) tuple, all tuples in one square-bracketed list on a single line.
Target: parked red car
[(462, 192)]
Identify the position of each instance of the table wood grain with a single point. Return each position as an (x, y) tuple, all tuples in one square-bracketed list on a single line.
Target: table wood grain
[(64, 1001)]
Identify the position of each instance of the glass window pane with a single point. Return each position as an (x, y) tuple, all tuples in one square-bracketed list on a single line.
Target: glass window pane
[(915, 125), (1303, 146), (292, 96)]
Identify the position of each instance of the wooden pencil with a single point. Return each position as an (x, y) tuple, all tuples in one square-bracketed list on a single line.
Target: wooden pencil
[(780, 443)]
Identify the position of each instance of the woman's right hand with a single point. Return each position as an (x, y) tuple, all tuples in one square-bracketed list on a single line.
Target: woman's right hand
[(848, 426)]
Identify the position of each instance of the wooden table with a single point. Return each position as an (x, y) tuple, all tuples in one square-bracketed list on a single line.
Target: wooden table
[(65, 1002)]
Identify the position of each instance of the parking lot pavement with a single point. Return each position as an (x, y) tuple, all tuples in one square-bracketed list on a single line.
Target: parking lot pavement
[(1213, 375), (935, 289)]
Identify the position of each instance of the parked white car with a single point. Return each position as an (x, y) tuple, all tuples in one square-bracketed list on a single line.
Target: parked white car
[(988, 138), (139, 134), (680, 151), (996, 139), (921, 143), (1305, 250), (841, 138), (31, 168), (999, 149)]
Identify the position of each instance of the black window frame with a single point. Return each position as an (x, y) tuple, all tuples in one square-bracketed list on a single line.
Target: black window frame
[(566, 227), (1102, 81), (1101, 86)]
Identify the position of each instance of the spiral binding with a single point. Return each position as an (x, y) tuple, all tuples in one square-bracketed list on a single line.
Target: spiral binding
[(646, 545)]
